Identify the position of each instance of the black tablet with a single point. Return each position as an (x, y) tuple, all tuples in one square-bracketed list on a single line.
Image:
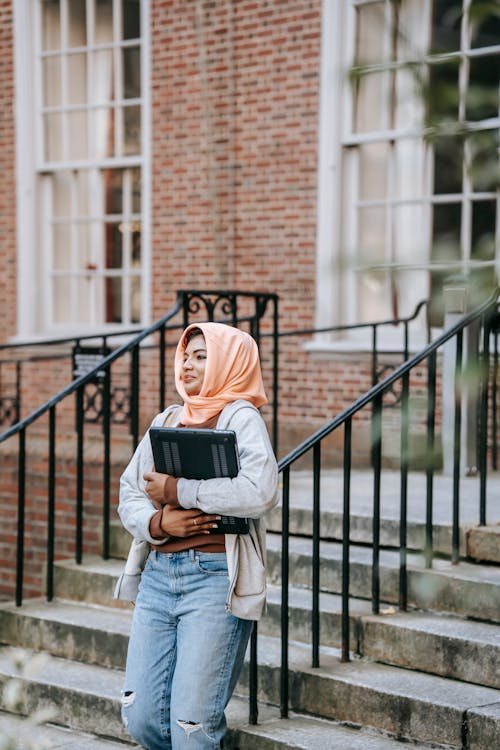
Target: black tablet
[(199, 454)]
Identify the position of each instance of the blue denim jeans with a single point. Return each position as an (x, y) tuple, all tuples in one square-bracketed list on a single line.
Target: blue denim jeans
[(185, 653)]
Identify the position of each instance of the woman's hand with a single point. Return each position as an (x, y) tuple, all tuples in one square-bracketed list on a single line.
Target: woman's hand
[(184, 523), (155, 487)]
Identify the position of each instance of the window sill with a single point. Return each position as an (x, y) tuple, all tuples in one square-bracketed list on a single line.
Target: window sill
[(359, 344)]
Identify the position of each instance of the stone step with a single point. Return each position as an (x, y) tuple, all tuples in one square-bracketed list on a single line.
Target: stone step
[(331, 498), (83, 697), (408, 705), (466, 589), (299, 732), (271, 732), (476, 542), (51, 736), (483, 543), (93, 581), (78, 631), (449, 646)]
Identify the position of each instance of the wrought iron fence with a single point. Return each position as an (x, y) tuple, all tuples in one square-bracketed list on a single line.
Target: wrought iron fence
[(487, 317)]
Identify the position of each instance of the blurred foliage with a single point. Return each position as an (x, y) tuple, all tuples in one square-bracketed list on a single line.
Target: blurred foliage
[(27, 736), (460, 124)]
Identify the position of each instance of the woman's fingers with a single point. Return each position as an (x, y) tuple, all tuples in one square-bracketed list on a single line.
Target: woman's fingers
[(184, 523)]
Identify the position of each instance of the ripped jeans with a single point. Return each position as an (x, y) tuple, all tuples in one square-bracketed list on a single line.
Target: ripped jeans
[(185, 653)]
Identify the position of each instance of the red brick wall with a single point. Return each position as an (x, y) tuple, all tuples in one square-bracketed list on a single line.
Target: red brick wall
[(235, 122), (235, 104), (8, 279)]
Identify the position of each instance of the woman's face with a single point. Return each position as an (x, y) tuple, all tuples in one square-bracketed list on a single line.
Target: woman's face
[(193, 368)]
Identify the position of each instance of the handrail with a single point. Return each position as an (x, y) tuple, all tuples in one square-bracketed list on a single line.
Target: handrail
[(383, 385), (374, 397), (192, 304), (86, 377)]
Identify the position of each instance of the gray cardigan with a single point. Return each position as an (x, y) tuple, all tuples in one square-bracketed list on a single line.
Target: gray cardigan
[(250, 494)]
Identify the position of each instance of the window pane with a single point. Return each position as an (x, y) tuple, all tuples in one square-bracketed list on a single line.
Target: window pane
[(136, 190), (136, 244), (51, 74), (113, 288), (61, 300), (77, 73), (446, 25), (86, 260), (370, 49), (86, 298), (62, 247), (114, 245), (103, 88), (485, 165), (443, 93), (104, 21), (51, 25), (135, 299), (482, 93), (131, 73), (84, 190), (483, 248), (372, 235), (485, 25), (446, 231), (61, 195), (483, 230), (371, 31), (374, 296), (132, 129), (409, 169), (448, 160), (373, 163), (131, 16), (114, 190), (371, 103), (77, 27), (102, 133), (445, 249), (53, 137), (77, 129)]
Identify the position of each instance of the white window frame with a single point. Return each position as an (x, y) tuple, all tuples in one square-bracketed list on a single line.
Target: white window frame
[(33, 302), (335, 290)]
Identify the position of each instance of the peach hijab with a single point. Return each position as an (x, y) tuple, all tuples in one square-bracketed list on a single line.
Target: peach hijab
[(232, 371)]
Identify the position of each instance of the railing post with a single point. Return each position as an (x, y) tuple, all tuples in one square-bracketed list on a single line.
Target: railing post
[(346, 540), (51, 503), (483, 419), (376, 428), (316, 554), (403, 518), (253, 711), (21, 497), (457, 292), (429, 458), (285, 528)]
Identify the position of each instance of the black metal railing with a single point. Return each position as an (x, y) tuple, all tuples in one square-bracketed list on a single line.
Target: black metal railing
[(73, 355), (241, 308), (487, 317)]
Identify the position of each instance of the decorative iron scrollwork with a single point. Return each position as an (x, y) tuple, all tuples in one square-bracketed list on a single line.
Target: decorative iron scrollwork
[(9, 410), (93, 404), (393, 395), (213, 303)]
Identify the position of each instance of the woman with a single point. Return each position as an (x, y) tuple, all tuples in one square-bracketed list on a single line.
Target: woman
[(200, 592)]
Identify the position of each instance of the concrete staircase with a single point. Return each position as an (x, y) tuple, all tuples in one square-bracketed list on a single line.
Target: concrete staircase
[(429, 677)]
